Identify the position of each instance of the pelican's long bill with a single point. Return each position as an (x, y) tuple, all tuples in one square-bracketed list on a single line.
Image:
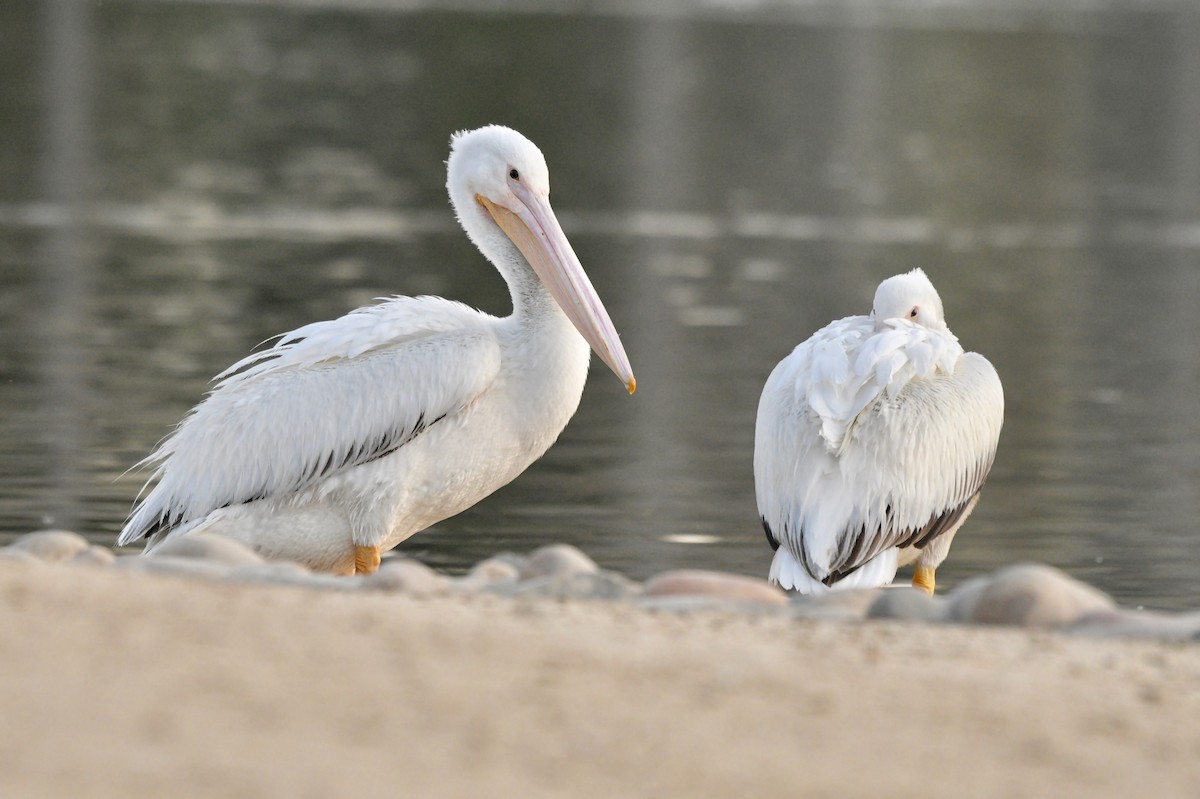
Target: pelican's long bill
[(537, 234)]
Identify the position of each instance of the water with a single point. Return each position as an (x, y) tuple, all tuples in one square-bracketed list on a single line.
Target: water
[(179, 181)]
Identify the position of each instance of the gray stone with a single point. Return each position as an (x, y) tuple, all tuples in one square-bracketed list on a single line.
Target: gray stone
[(94, 556), (723, 585), (1146, 625), (845, 604), (14, 558), (557, 560), (961, 602), (209, 547), (51, 545), (284, 572), (187, 567), (1027, 595), (406, 576), (699, 603), (905, 602), (494, 571), (519, 562), (598, 585)]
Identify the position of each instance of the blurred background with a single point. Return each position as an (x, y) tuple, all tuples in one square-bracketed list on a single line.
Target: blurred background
[(181, 180)]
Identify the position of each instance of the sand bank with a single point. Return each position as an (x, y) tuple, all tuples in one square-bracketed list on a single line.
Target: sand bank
[(118, 683)]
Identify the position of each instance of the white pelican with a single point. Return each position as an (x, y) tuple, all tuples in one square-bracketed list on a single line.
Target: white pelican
[(872, 442), (348, 436)]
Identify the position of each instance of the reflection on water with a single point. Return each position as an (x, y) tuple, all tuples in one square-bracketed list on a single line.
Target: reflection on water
[(730, 182)]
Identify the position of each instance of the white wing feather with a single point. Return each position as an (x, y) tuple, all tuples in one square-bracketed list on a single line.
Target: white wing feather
[(863, 436), (327, 396), (360, 331)]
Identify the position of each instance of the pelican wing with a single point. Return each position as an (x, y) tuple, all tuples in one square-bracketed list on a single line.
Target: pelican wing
[(871, 439), (327, 397)]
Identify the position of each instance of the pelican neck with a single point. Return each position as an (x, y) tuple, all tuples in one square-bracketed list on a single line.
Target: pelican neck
[(532, 302)]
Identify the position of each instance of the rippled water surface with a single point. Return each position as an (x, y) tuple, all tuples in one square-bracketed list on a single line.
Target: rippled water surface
[(180, 181)]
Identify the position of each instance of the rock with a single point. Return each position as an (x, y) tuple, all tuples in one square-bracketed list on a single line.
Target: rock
[(94, 556), (906, 602), (557, 560), (961, 602), (845, 604), (209, 547), (51, 545), (723, 585), (188, 567), (519, 562), (407, 576), (15, 558), (598, 585), (1147, 625), (286, 572), (494, 571), (699, 603), (1027, 595)]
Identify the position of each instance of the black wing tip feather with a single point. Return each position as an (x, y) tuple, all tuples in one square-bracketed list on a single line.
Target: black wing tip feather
[(323, 466), (942, 523), (920, 537), (771, 539)]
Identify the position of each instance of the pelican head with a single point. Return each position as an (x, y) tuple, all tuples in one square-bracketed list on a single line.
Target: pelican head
[(912, 297), (500, 189)]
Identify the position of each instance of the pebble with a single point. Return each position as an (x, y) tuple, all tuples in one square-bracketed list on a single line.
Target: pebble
[(603, 585), (961, 602), (94, 556), (497, 572), (284, 572), (11, 556), (188, 567), (51, 545), (1027, 595), (908, 603), (699, 603), (698, 582), (557, 560), (406, 576), (207, 547), (1145, 625), (844, 604)]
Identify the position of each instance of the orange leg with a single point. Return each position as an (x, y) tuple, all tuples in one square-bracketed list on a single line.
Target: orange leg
[(923, 579), (366, 560)]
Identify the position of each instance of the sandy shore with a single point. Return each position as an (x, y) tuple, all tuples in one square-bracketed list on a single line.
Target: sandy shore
[(139, 685)]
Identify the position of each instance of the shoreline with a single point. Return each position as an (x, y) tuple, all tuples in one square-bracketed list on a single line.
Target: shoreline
[(124, 682)]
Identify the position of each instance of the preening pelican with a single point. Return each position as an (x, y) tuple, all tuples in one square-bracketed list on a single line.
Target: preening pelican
[(873, 440), (348, 436)]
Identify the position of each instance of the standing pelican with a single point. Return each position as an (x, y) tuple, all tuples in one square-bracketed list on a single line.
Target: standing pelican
[(348, 436), (873, 440)]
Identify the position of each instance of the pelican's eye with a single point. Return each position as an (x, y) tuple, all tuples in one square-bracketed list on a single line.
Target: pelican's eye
[(913, 313), (514, 174)]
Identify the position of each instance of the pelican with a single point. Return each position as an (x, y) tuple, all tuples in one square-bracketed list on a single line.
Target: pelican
[(872, 442), (348, 436)]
